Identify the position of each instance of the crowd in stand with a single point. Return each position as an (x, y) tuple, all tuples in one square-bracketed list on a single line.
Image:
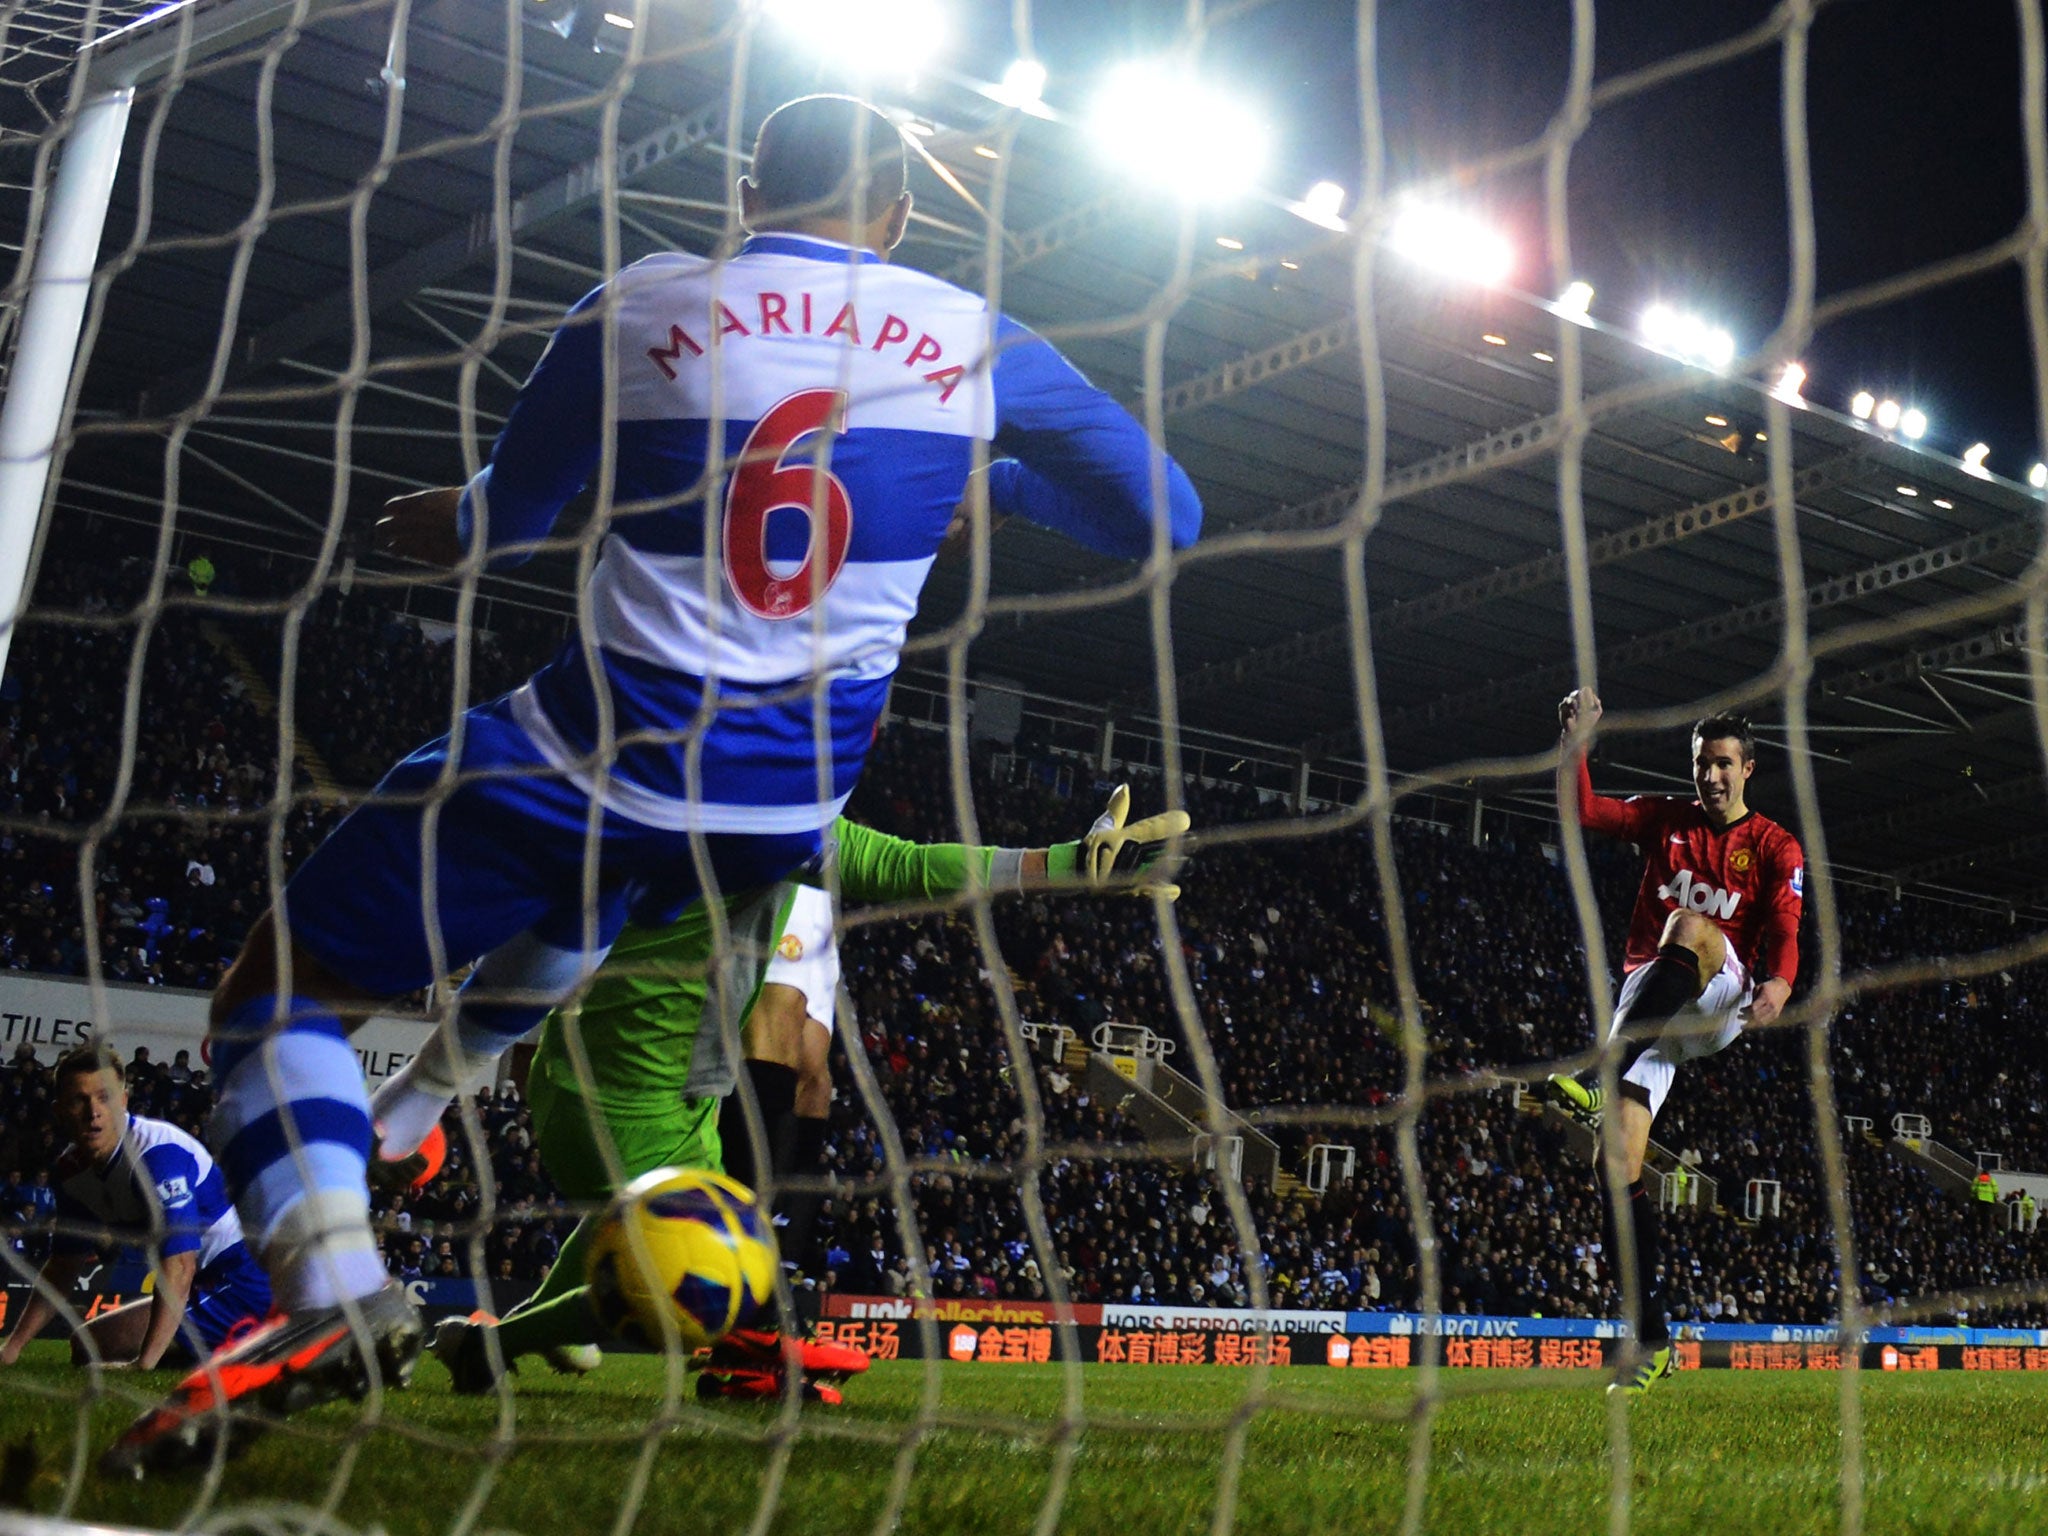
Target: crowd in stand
[(1282, 941)]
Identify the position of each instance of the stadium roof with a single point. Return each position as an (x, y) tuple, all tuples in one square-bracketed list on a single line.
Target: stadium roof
[(474, 238)]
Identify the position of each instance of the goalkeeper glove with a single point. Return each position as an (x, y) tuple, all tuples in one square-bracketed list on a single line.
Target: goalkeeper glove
[(1111, 848)]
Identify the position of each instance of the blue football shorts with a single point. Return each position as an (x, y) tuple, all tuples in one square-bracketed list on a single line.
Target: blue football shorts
[(510, 837), (226, 1301)]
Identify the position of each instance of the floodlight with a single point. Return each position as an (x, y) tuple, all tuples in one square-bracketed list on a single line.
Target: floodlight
[(1322, 204), (1790, 382), (1913, 422), (1862, 404), (1023, 85), (1174, 130), (865, 37), (2037, 477), (617, 20), (1451, 244), (1687, 337), (1574, 302), (1887, 415), (1973, 460)]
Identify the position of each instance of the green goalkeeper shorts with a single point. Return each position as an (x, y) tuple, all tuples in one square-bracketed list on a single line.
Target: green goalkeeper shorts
[(568, 1139)]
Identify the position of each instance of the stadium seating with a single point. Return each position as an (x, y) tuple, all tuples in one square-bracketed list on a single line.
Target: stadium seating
[(1283, 942)]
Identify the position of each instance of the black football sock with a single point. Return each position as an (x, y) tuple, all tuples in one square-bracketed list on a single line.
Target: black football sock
[(800, 1207), (1673, 980), (775, 1092), (1647, 1255)]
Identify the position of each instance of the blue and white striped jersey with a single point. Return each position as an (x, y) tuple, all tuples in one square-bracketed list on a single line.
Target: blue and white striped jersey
[(794, 428), (156, 1167)]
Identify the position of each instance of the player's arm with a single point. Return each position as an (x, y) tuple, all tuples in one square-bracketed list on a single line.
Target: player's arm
[(542, 458), (1576, 713), (174, 1175), (174, 1275), (1075, 461), (875, 867), (1778, 946), (59, 1273)]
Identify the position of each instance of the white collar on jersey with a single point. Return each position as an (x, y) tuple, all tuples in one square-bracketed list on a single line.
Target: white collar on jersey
[(782, 242)]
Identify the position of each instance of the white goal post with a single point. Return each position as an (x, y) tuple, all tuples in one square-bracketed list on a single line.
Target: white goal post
[(65, 250)]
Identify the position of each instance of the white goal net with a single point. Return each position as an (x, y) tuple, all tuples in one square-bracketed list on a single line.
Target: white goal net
[(1497, 377)]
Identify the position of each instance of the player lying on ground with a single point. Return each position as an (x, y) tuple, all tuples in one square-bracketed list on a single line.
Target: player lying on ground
[(1713, 944), (146, 1185), (874, 383), (658, 1075)]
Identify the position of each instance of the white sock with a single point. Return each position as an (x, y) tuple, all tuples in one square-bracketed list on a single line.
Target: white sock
[(321, 1252), (412, 1099)]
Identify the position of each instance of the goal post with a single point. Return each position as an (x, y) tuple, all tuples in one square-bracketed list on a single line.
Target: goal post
[(109, 71)]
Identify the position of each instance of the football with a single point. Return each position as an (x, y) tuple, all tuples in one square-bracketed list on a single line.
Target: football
[(680, 1253)]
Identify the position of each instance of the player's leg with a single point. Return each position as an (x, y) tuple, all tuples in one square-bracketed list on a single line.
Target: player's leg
[(1691, 952), (518, 985), (369, 917), (223, 1304), (557, 1318), (116, 1334), (788, 1037), (1706, 1022), (799, 993), (813, 1117), (750, 1362), (291, 1126), (511, 990), (773, 1041), (1625, 1143)]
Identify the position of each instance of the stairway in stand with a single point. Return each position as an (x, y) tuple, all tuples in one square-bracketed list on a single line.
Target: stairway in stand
[(264, 697)]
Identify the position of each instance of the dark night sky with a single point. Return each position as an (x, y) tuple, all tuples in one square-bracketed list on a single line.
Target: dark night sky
[(1680, 193)]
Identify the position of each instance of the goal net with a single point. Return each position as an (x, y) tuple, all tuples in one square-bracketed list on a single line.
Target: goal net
[(1501, 375)]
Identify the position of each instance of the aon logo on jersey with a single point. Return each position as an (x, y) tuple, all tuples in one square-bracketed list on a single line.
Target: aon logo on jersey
[(1698, 896)]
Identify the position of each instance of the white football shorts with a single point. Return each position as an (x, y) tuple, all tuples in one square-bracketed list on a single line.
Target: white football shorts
[(1702, 1027), (806, 956)]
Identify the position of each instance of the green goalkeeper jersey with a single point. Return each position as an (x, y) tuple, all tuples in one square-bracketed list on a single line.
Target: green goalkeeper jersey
[(641, 1023)]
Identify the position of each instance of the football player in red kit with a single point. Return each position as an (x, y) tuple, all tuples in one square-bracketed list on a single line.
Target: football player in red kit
[(1713, 946)]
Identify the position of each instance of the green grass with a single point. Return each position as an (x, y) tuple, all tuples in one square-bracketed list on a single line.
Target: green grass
[(1513, 1452)]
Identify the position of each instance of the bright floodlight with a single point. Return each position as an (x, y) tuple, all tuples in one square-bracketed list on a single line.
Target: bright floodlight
[(1451, 244), (1973, 459), (1913, 422), (1574, 303), (1790, 382), (1887, 414), (1687, 337), (1169, 128), (2037, 477), (1322, 204), (866, 37), (1862, 404), (1023, 85)]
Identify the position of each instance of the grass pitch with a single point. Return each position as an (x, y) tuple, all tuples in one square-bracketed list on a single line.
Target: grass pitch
[(1513, 1452)]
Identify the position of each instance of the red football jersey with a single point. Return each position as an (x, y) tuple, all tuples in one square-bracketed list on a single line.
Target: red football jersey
[(1749, 878)]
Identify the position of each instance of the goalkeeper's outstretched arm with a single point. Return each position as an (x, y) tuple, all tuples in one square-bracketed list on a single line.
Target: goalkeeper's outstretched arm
[(875, 867)]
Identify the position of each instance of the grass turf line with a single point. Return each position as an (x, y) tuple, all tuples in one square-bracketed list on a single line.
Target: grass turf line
[(1719, 1450)]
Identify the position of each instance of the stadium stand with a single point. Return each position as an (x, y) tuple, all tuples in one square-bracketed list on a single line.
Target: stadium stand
[(1284, 944)]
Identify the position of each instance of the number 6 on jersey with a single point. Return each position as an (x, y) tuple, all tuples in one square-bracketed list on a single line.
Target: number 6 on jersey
[(763, 485)]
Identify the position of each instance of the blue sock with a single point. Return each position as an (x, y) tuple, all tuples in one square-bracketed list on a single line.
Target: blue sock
[(291, 1132)]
